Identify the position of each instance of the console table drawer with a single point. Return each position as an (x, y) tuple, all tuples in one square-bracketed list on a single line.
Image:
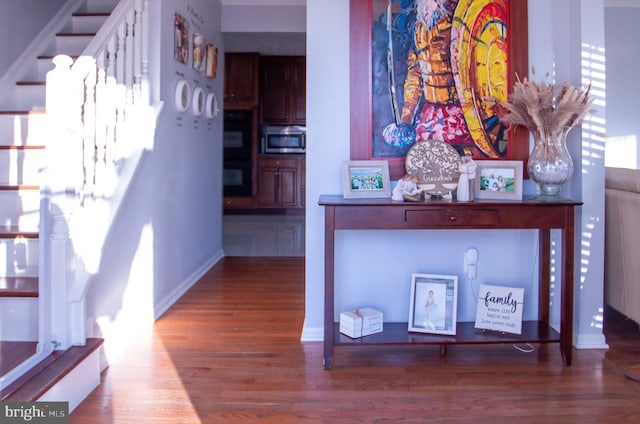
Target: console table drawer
[(452, 218)]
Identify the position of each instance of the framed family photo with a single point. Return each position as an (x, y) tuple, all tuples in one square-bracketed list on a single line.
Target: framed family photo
[(366, 179), (433, 306), (498, 180)]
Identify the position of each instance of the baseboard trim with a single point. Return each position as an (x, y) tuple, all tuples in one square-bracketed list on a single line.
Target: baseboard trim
[(312, 334), (590, 341), (178, 292)]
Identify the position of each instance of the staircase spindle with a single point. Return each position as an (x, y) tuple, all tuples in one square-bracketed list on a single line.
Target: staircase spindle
[(144, 36), (111, 99), (89, 140), (129, 56), (137, 59), (101, 124)]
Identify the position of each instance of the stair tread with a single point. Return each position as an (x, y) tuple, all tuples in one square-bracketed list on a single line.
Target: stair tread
[(19, 286), (45, 375), (13, 231), (22, 112), (22, 147), (52, 56), (23, 83), (9, 187), (82, 14), (76, 34)]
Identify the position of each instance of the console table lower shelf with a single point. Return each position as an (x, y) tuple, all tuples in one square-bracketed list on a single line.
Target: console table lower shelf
[(396, 333), (466, 333)]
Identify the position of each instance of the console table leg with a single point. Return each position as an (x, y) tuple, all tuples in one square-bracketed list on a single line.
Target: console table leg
[(443, 350), (327, 362), (565, 351)]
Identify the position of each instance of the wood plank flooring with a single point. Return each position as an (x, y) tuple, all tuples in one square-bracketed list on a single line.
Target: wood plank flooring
[(229, 352)]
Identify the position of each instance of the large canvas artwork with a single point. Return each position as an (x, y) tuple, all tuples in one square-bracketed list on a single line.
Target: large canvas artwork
[(433, 67)]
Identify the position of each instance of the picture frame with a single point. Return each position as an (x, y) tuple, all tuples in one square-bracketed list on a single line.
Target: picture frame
[(199, 52), (433, 304), (181, 39), (498, 180), (365, 73), (366, 179), (212, 61)]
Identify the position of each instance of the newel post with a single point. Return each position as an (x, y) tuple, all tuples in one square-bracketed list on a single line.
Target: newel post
[(64, 169)]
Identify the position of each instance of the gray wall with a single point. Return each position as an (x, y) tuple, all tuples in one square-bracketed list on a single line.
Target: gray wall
[(21, 21), (169, 230)]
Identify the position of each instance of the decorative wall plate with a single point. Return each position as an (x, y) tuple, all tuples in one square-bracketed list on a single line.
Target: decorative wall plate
[(436, 164), (197, 104), (211, 106), (182, 94)]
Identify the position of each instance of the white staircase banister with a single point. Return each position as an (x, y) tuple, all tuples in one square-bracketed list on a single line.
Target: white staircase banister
[(96, 103)]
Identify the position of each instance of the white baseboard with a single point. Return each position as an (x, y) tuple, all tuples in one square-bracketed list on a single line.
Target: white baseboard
[(164, 305), (78, 384), (312, 334), (590, 341)]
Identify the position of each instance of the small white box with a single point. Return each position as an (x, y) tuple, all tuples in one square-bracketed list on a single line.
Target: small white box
[(361, 322)]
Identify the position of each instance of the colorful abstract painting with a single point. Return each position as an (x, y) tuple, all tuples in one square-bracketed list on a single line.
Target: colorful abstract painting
[(436, 66)]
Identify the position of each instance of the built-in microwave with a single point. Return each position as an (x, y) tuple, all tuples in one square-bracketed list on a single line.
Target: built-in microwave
[(282, 139)]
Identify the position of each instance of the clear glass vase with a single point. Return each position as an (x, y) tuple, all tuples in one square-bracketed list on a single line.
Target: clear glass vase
[(550, 164)]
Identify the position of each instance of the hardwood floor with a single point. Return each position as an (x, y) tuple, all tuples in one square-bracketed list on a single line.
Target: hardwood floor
[(229, 352)]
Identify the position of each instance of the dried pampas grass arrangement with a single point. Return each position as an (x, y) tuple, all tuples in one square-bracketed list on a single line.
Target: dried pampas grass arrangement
[(543, 107)]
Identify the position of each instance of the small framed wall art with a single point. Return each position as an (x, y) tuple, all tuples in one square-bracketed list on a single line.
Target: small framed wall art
[(212, 61), (498, 180), (181, 39), (366, 179), (433, 307), (199, 53)]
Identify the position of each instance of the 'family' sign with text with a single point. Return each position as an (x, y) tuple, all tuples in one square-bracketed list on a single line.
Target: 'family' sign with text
[(500, 309)]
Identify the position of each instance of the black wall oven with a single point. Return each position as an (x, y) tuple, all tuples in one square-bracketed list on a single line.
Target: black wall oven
[(237, 141), (236, 178)]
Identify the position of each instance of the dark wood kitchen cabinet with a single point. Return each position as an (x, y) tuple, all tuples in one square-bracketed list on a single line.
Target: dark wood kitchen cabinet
[(283, 88), (241, 80), (279, 181)]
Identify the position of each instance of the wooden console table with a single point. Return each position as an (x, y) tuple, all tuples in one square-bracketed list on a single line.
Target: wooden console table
[(384, 214)]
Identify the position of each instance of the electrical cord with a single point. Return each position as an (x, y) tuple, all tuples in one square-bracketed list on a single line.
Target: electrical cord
[(527, 347)]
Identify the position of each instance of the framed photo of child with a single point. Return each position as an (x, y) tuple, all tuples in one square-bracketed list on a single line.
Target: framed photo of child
[(433, 306)]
